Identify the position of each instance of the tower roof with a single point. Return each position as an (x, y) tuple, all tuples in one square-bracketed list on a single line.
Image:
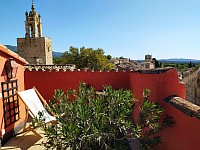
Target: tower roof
[(33, 23), (32, 12)]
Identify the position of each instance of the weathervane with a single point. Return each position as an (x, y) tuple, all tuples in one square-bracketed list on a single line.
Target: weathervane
[(32, 2)]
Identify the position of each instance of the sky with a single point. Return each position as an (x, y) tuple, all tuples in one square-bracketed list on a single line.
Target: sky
[(128, 28)]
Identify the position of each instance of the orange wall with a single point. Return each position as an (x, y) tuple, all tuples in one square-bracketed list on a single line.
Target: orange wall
[(20, 77)]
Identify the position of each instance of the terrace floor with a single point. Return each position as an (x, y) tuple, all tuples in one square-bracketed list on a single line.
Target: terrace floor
[(29, 140), (35, 139)]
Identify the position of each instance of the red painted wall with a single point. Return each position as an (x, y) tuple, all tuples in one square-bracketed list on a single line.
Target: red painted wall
[(46, 82), (185, 134), (161, 85)]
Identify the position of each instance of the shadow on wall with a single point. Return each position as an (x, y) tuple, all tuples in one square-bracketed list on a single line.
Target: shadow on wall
[(3, 73)]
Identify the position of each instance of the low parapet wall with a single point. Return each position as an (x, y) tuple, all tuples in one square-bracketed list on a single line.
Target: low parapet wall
[(184, 106), (185, 133), (47, 80), (163, 83)]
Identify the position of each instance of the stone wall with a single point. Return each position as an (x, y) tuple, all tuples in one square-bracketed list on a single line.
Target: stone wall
[(36, 50), (192, 87)]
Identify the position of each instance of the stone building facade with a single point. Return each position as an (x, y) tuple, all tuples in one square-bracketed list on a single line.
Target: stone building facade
[(35, 48), (148, 63), (192, 83)]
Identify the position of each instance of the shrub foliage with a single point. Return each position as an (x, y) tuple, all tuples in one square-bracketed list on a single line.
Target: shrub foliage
[(86, 120)]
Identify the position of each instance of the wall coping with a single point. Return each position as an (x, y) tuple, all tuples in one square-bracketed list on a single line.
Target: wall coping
[(50, 68), (185, 106), (71, 67), (64, 68), (154, 71)]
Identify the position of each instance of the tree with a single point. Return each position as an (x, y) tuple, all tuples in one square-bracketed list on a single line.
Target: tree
[(109, 57), (58, 60), (160, 65), (156, 62), (190, 65), (87, 58)]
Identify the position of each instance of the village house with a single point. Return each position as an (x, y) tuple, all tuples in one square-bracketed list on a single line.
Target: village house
[(12, 111)]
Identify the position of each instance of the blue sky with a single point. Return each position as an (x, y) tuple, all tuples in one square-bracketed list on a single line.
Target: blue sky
[(129, 28)]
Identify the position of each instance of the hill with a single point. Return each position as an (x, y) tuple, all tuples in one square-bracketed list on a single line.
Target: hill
[(179, 60), (57, 54), (14, 49), (171, 60)]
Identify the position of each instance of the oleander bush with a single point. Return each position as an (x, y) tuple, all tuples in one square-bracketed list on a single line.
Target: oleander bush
[(149, 123), (90, 121)]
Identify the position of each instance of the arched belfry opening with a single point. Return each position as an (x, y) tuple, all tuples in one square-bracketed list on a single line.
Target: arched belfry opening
[(33, 23)]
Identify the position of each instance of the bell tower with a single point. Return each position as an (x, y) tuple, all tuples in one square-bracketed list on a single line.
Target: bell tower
[(35, 48), (33, 23)]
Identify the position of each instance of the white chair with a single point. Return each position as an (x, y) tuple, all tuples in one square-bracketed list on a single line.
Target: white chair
[(32, 100)]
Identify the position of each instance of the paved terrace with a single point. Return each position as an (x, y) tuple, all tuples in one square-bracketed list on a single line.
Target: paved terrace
[(29, 140), (35, 139)]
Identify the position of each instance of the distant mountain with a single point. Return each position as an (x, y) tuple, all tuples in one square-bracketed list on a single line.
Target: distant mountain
[(171, 60), (57, 54), (179, 60), (14, 49)]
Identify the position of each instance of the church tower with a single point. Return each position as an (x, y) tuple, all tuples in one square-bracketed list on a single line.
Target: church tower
[(35, 48)]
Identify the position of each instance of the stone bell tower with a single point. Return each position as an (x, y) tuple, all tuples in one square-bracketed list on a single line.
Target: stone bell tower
[(35, 48)]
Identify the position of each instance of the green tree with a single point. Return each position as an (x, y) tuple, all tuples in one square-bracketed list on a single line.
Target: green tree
[(190, 65), (156, 62), (109, 57), (86, 58), (58, 60), (160, 65)]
